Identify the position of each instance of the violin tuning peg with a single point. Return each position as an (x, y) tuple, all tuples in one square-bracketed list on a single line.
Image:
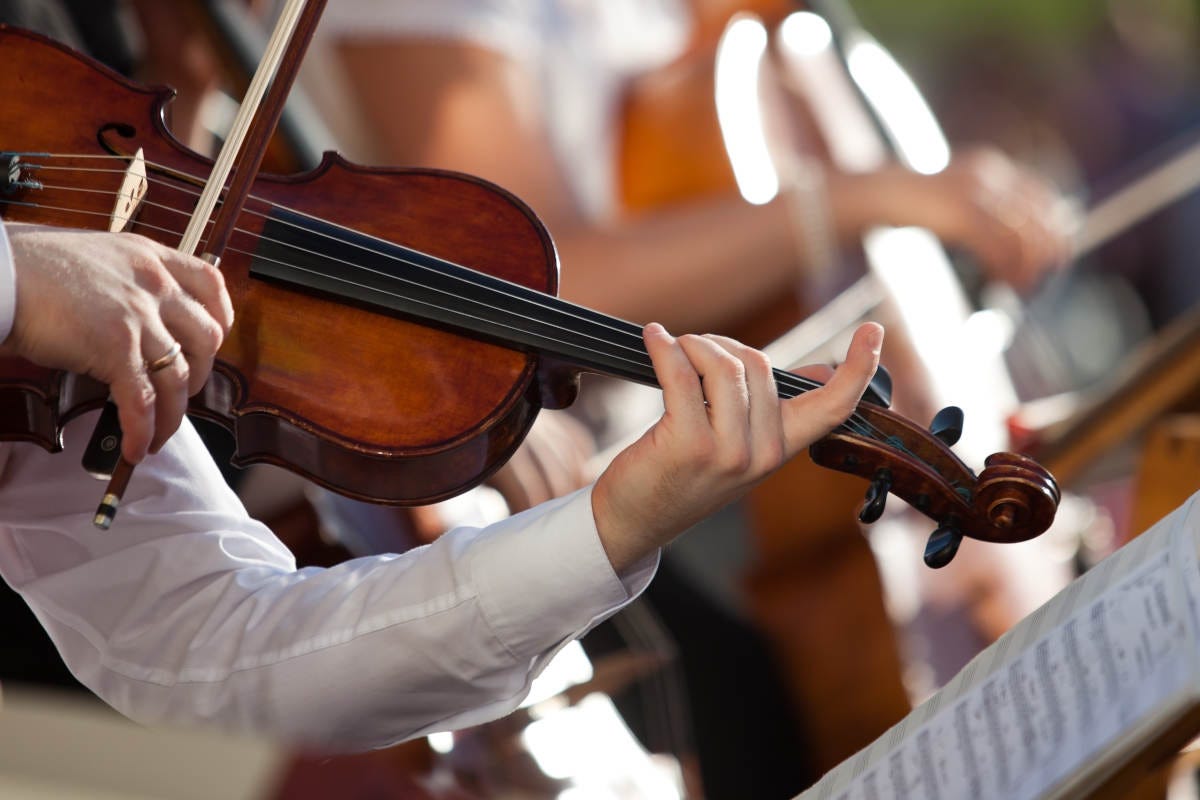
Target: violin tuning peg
[(879, 390), (877, 492), (947, 425), (942, 546)]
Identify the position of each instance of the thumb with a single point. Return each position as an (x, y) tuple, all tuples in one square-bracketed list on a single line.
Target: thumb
[(812, 415)]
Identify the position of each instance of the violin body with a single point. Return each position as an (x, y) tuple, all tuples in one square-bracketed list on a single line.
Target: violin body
[(347, 282), (371, 406)]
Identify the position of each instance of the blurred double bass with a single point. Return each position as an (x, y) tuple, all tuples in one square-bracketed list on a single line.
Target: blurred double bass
[(815, 590)]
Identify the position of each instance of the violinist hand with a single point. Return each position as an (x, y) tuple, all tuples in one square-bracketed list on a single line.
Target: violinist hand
[(716, 439), (107, 305), (1017, 225)]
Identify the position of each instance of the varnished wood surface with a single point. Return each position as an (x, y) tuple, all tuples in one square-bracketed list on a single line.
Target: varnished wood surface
[(1168, 470), (333, 392)]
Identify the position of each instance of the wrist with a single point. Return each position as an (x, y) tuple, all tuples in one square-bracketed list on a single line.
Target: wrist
[(625, 538), (861, 201)]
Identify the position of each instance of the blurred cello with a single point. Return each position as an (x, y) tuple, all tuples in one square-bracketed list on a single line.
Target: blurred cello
[(818, 581)]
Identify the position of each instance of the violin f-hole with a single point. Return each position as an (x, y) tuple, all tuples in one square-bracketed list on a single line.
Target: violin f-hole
[(122, 129)]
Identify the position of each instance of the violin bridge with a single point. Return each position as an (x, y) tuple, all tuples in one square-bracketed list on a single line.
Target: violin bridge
[(132, 192)]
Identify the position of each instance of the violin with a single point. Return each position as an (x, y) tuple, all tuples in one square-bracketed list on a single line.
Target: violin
[(397, 329)]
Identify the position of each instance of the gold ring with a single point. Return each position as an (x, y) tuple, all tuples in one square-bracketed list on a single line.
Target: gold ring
[(166, 359)]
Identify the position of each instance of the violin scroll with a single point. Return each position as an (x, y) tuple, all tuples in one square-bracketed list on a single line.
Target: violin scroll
[(1015, 492), (1011, 500)]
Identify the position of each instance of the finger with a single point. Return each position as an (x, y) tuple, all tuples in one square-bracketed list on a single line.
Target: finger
[(999, 246), (558, 469), (998, 217), (1037, 236), (815, 372), (199, 333), (766, 425), (543, 475), (516, 483), (683, 396), (815, 413), (1054, 222), (723, 378), (1029, 210), (201, 280), (133, 394), (170, 382), (985, 234), (1027, 264), (170, 401)]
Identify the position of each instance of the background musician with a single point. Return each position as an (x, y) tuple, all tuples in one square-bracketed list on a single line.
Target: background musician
[(530, 96)]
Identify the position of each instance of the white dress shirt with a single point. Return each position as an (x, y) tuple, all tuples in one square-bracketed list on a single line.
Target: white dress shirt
[(579, 54), (189, 611)]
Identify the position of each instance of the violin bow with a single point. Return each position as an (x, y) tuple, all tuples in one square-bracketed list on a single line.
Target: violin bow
[(244, 149)]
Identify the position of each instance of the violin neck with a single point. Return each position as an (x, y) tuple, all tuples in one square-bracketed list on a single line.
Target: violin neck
[(329, 260)]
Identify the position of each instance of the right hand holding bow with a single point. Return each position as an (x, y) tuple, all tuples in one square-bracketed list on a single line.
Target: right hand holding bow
[(111, 305)]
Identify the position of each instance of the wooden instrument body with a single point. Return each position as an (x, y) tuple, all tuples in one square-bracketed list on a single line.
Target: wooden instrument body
[(672, 152), (365, 404)]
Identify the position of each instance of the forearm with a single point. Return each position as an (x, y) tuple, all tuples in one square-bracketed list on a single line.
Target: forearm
[(699, 266), (189, 612), (358, 656), (694, 268), (858, 201)]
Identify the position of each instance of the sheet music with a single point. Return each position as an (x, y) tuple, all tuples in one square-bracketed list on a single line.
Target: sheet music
[(1111, 653)]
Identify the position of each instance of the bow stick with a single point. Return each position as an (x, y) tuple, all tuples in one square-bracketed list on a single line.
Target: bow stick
[(244, 148)]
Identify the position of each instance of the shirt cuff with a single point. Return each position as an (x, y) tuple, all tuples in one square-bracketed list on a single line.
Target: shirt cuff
[(8, 286), (558, 584)]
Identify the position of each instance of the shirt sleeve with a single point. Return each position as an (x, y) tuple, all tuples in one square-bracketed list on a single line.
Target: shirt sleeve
[(187, 611), (510, 27), (8, 285)]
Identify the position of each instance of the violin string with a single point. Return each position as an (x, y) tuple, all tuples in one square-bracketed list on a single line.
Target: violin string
[(633, 332), (792, 382), (334, 259), (786, 380), (855, 423)]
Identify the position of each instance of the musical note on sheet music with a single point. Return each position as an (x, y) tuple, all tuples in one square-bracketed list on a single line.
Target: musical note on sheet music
[(1024, 717)]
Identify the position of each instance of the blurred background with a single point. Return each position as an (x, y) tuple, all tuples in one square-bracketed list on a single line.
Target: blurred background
[(784, 636), (1092, 95)]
